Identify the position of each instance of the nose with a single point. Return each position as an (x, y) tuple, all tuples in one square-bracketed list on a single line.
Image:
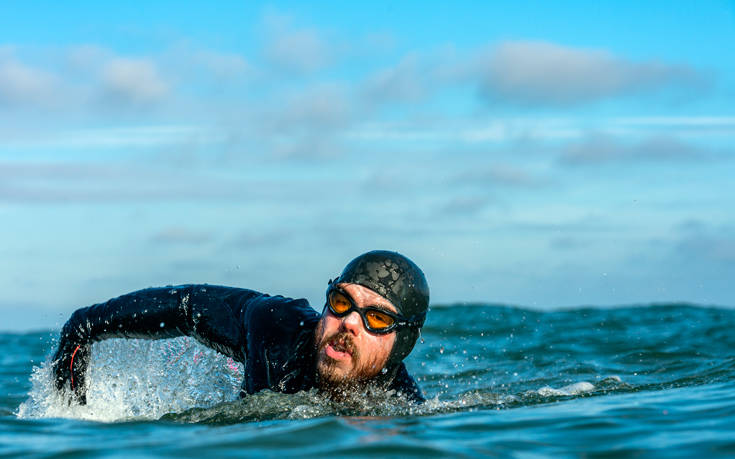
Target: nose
[(352, 323)]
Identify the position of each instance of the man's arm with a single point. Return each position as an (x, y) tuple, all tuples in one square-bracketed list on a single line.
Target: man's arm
[(213, 315)]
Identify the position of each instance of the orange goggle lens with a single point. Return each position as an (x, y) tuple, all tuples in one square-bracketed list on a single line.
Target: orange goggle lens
[(339, 303), (378, 319), (375, 319)]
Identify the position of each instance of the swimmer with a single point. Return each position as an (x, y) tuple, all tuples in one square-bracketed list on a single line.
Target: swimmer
[(370, 322)]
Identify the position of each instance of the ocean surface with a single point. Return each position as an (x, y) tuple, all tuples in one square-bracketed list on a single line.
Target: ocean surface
[(650, 381)]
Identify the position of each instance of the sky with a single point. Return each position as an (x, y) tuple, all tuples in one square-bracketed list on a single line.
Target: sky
[(539, 154)]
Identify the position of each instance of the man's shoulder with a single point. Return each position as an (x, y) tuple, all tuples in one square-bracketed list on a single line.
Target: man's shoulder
[(280, 312), (253, 308), (279, 337)]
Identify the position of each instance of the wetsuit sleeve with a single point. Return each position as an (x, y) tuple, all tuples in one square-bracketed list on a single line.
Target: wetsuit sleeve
[(213, 315), (406, 386)]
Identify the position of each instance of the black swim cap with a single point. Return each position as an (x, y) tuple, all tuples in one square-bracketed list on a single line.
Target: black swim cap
[(398, 279)]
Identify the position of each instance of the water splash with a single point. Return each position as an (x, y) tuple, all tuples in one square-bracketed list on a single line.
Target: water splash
[(139, 379), (181, 381), (494, 358), (674, 393)]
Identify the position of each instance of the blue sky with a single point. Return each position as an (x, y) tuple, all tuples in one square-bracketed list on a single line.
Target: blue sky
[(530, 153)]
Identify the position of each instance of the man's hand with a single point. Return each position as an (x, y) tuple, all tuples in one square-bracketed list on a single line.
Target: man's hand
[(70, 364)]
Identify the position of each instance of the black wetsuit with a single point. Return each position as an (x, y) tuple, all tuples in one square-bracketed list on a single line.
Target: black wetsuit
[(272, 336)]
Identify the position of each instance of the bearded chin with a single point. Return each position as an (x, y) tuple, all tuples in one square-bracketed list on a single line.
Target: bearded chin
[(331, 377), (328, 369), (329, 374)]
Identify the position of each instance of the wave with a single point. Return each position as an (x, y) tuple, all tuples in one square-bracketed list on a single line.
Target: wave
[(184, 382), (469, 358)]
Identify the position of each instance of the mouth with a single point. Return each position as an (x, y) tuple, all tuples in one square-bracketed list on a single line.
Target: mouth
[(339, 349)]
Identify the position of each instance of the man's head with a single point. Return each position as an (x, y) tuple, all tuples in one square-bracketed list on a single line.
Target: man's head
[(371, 319)]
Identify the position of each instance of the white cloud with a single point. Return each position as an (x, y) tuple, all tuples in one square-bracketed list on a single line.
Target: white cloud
[(404, 82), (86, 182), (467, 129), (87, 57), (601, 148), (224, 65), (22, 84), (133, 81), (705, 127), (499, 175), (292, 49), (44, 170), (319, 107), (530, 72), (704, 122), (77, 78), (304, 124), (118, 137)]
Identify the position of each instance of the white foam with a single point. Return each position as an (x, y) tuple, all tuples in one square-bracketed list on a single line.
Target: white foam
[(139, 379), (572, 389)]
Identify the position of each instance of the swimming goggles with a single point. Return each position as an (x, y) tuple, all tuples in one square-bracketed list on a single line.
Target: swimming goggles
[(375, 319)]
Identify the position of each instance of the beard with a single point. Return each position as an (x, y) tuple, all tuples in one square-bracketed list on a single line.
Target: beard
[(327, 367), (330, 377)]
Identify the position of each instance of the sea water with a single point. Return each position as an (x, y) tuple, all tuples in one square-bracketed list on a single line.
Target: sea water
[(500, 381)]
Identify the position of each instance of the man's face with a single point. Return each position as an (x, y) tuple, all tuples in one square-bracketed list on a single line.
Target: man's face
[(346, 350)]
